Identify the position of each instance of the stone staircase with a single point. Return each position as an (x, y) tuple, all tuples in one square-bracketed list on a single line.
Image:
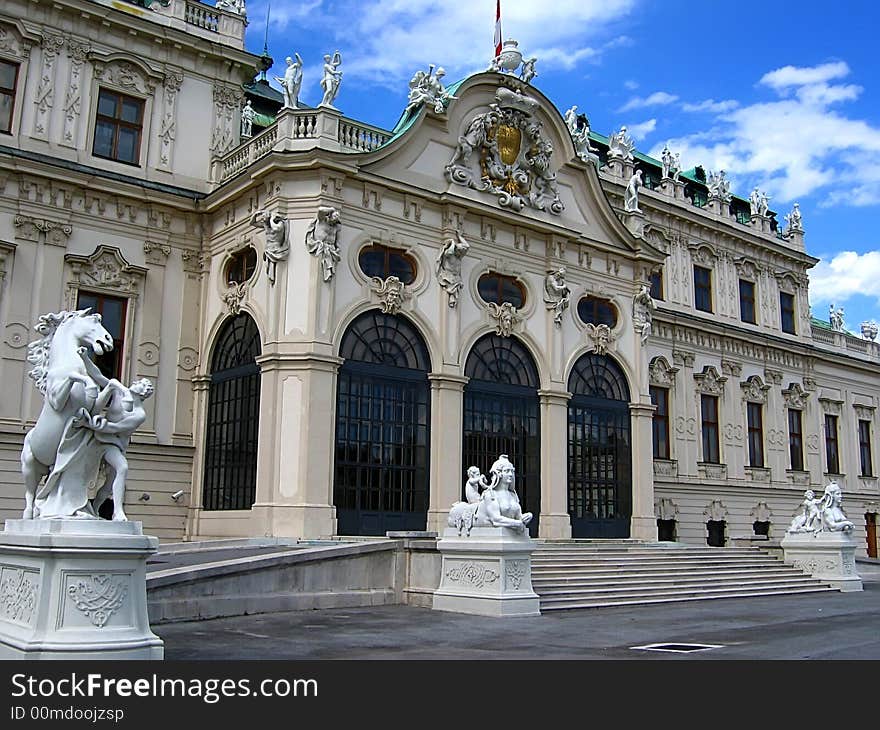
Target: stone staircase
[(585, 574)]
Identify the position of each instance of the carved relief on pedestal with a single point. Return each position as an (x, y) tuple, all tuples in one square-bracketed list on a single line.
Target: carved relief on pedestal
[(19, 591), (77, 52), (514, 573), (44, 99), (98, 596), (474, 574)]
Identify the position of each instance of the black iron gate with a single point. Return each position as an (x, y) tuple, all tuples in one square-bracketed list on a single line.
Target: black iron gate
[(501, 416), (599, 450), (382, 428)]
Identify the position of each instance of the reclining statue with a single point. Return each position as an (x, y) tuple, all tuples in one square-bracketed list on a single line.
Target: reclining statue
[(497, 506)]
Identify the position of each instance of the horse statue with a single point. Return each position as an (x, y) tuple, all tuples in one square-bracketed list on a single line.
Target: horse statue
[(69, 393)]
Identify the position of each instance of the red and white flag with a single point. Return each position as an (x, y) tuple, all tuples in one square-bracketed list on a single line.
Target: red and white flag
[(498, 29)]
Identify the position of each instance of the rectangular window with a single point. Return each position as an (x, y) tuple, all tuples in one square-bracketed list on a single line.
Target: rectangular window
[(832, 455), (113, 312), (657, 285), (118, 127), (747, 301), (786, 307), (754, 412), (702, 289), (660, 398), (796, 439), (709, 419), (8, 82), (867, 467)]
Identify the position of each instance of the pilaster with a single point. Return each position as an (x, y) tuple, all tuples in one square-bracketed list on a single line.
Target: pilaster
[(644, 522), (555, 522), (447, 471)]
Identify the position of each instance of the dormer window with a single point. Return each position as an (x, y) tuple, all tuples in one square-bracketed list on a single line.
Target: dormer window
[(498, 289), (384, 261)]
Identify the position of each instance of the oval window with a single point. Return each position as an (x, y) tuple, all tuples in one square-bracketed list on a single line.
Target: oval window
[(241, 266), (499, 289), (382, 261), (594, 310)]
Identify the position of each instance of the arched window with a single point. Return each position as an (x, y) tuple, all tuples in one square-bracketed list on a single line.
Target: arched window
[(383, 261), (382, 427), (499, 289), (501, 415), (599, 449), (241, 266), (594, 310), (233, 417)]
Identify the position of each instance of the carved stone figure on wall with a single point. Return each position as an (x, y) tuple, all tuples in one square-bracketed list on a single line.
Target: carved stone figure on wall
[(277, 244), (643, 312), (247, 120), (291, 82), (505, 318), (322, 239), (427, 88), (448, 265), (579, 128), (621, 146), (515, 155), (331, 79), (600, 337), (391, 292), (557, 295), (631, 194)]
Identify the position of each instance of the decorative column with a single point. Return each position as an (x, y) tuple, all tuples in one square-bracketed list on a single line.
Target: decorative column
[(296, 446), (644, 523), (77, 52), (685, 422), (555, 522), (167, 130), (447, 470), (733, 425), (44, 99)]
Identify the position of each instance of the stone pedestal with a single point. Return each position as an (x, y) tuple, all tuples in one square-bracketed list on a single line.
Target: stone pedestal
[(828, 556), (634, 220), (488, 573), (75, 589)]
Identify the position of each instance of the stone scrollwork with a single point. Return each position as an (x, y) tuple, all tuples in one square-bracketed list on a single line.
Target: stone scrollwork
[(19, 589), (661, 373), (391, 292), (505, 317), (473, 573), (98, 596), (795, 396), (709, 381), (754, 390), (514, 155)]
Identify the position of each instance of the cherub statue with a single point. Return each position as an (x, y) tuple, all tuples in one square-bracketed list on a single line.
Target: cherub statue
[(427, 88), (808, 519), (322, 239), (277, 245), (475, 484)]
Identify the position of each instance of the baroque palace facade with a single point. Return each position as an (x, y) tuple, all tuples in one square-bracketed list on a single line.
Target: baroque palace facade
[(339, 319)]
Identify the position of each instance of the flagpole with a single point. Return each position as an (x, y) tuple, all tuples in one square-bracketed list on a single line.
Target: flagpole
[(497, 28)]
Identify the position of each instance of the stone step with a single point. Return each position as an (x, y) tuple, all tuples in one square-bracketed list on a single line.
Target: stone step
[(649, 552), (651, 578), (623, 564), (677, 596), (641, 589)]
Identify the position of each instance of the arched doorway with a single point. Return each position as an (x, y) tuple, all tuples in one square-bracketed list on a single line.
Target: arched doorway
[(599, 449), (501, 415), (233, 417), (382, 427)]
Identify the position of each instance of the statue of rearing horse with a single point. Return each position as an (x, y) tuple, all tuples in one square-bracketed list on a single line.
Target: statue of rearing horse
[(67, 389)]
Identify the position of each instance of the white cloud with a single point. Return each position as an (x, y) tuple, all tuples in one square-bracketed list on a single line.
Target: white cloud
[(796, 144), (836, 280), (630, 85), (385, 41), (639, 131), (710, 105), (658, 98)]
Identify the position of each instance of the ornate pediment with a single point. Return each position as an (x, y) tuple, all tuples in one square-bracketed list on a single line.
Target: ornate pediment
[(709, 381), (666, 509), (513, 155), (661, 372), (795, 396), (126, 75), (715, 510), (754, 390), (107, 270)]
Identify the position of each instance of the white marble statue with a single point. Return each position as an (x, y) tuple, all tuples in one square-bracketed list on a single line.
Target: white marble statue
[(509, 59), (277, 244), (331, 79), (676, 167), (643, 312), (247, 120), (233, 6), (579, 128), (557, 294), (291, 82), (322, 239), (822, 515), (498, 504), (794, 220), (448, 265), (427, 88), (808, 519), (85, 421), (719, 186), (869, 330), (836, 318), (759, 203), (666, 162), (527, 72), (631, 194), (621, 145)]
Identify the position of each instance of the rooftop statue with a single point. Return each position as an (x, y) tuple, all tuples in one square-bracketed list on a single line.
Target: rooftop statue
[(719, 186), (676, 166), (579, 128), (509, 59), (822, 515), (836, 318), (759, 203), (557, 294), (869, 330), (794, 220), (331, 79), (247, 120), (291, 82), (666, 162), (527, 72), (631, 194), (497, 506), (86, 420), (233, 6), (277, 245), (426, 88), (621, 145)]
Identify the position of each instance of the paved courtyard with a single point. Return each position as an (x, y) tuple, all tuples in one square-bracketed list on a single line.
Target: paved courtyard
[(810, 626)]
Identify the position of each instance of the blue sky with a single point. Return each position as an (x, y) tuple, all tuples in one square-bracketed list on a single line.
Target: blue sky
[(781, 95)]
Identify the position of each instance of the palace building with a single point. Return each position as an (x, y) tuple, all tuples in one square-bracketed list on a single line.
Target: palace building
[(340, 319)]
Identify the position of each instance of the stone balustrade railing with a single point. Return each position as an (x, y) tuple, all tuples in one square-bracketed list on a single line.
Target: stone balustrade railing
[(301, 129), (846, 341)]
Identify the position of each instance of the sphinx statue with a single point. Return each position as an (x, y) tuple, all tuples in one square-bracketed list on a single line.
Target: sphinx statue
[(497, 505)]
